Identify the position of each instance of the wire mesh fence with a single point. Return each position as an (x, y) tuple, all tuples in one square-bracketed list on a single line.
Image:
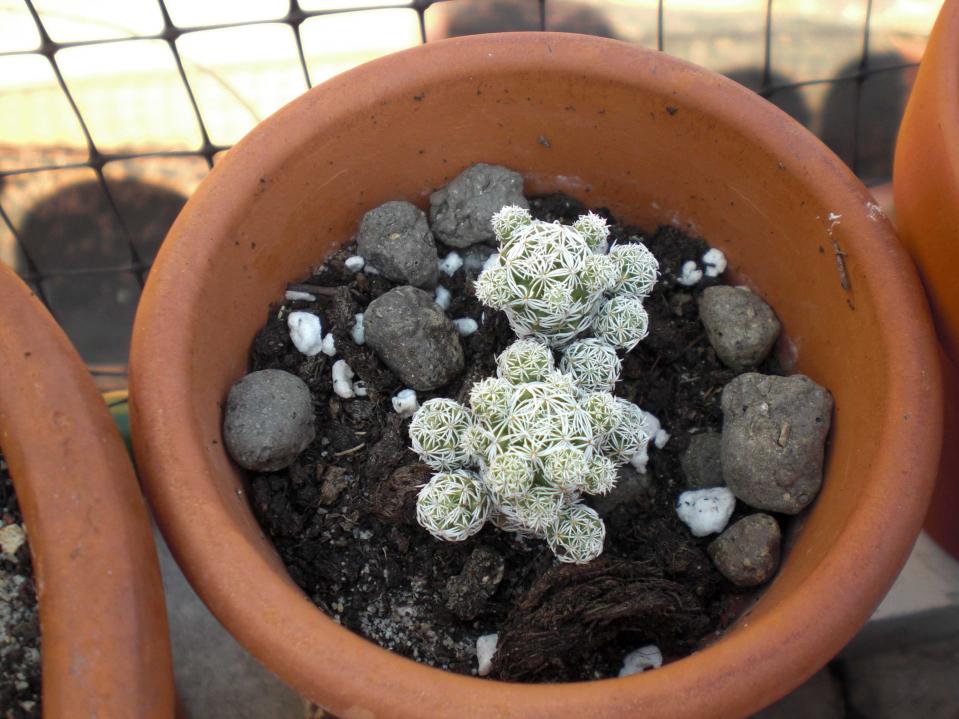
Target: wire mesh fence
[(83, 201)]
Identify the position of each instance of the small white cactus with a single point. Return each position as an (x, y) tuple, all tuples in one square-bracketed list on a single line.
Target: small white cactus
[(537, 439), (540, 436), (552, 280)]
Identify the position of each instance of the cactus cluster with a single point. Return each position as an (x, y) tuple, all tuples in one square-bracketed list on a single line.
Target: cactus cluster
[(555, 282), (537, 436), (533, 440)]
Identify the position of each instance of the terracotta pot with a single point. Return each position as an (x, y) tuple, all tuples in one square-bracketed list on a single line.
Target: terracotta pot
[(926, 187), (105, 647), (655, 140)]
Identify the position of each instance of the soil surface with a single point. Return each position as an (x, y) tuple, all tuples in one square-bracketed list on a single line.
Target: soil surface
[(19, 622), (342, 516)]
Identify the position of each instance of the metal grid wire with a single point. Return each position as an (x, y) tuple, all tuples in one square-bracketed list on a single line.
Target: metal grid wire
[(138, 265)]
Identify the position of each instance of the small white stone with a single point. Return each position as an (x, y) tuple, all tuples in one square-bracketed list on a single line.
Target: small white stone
[(640, 460), (661, 438), (343, 380), (12, 538), (354, 263), (359, 333), (715, 262), (306, 332), (328, 346), (648, 657), (689, 274), (466, 326), (449, 264), (706, 511), (485, 650), (297, 295), (443, 297), (405, 403), (359, 389)]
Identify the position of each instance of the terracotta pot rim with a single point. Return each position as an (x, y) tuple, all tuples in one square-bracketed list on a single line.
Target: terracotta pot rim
[(106, 649), (818, 619)]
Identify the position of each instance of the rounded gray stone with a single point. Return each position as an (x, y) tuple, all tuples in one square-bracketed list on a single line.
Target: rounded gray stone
[(774, 434), (740, 326), (268, 420), (461, 212), (396, 239), (414, 337), (747, 553), (702, 461)]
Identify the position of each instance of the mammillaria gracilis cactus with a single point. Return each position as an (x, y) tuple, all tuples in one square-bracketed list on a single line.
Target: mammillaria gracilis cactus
[(536, 437)]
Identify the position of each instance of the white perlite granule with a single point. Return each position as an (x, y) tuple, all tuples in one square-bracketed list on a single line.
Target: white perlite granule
[(485, 649), (354, 263), (636, 662), (689, 274), (449, 264), (706, 511), (405, 403), (465, 326), (715, 262), (443, 297), (343, 380), (359, 332), (306, 332)]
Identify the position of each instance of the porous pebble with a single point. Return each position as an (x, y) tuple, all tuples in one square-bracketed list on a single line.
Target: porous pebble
[(740, 326), (396, 238), (460, 213), (747, 553), (638, 661), (702, 461), (305, 332), (414, 338), (268, 420), (774, 435), (706, 511), (485, 650)]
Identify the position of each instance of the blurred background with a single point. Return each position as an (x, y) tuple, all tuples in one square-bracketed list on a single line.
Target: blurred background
[(112, 112)]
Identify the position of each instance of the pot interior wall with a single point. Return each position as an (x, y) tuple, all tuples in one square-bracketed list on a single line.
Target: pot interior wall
[(651, 155)]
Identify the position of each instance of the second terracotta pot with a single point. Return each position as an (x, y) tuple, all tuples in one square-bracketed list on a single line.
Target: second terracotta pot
[(105, 647), (926, 187), (657, 141)]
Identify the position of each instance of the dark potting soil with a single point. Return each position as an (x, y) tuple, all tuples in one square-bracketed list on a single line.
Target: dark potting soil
[(342, 516), (19, 621)]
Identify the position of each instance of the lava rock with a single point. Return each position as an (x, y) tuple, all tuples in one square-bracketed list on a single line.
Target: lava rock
[(414, 338), (747, 553), (268, 420), (774, 434), (468, 591), (460, 213), (396, 239), (702, 461), (741, 327)]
